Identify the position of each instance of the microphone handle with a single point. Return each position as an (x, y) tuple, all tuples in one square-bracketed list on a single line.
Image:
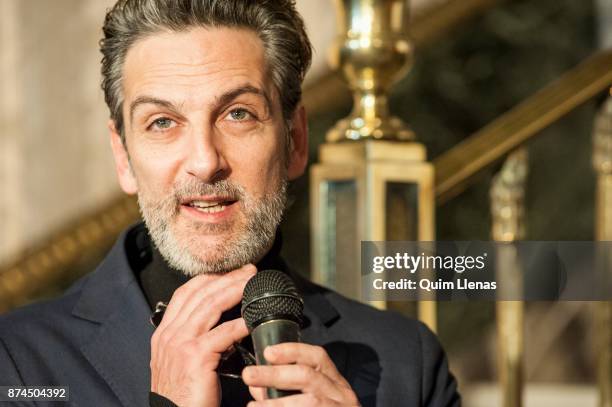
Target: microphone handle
[(269, 333)]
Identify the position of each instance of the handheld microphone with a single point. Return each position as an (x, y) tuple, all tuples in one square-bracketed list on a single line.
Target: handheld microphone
[(272, 310)]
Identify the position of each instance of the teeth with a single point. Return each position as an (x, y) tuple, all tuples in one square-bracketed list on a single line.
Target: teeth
[(204, 204), (211, 209)]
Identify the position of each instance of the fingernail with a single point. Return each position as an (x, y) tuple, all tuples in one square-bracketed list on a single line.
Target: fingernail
[(248, 373), (270, 351)]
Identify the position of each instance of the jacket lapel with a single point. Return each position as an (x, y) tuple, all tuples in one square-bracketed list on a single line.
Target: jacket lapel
[(120, 348)]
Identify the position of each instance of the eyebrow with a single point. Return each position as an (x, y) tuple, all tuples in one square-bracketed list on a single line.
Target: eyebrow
[(220, 101), (227, 97), (145, 100)]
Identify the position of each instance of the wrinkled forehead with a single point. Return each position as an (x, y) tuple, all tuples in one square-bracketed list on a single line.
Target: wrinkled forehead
[(196, 65)]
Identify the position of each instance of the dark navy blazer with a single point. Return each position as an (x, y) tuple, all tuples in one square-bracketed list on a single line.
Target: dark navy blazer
[(96, 340)]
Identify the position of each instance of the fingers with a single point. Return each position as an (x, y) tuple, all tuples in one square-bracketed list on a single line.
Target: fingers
[(297, 400), (196, 307), (206, 348), (209, 309), (293, 377), (183, 293), (304, 354), (220, 338), (186, 347), (189, 296), (303, 367), (202, 302)]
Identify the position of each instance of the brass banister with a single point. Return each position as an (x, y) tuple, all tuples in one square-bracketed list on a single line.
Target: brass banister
[(459, 166), (23, 278)]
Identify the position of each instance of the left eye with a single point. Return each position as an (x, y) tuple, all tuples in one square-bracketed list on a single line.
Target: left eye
[(240, 115)]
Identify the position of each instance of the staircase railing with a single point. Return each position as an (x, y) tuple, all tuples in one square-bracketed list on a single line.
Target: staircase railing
[(462, 164), (504, 137)]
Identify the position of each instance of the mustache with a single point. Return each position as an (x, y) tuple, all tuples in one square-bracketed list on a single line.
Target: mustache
[(225, 188)]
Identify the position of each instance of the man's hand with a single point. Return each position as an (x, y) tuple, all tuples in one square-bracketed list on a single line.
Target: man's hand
[(186, 347), (298, 366)]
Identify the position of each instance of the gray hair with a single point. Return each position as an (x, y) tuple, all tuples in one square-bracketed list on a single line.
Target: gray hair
[(278, 25)]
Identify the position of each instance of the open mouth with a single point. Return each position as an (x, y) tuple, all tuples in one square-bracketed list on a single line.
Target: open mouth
[(210, 206)]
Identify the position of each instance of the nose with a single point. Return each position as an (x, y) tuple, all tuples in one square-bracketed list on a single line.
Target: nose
[(204, 160)]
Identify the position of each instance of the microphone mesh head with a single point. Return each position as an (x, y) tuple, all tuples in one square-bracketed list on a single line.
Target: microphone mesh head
[(270, 294)]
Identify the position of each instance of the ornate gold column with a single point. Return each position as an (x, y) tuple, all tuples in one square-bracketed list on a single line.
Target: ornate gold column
[(508, 210), (602, 162), (372, 181)]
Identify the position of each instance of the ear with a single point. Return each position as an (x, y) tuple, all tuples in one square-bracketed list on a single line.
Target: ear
[(298, 154), (126, 177)]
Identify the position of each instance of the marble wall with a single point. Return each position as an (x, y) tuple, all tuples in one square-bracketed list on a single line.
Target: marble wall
[(55, 159)]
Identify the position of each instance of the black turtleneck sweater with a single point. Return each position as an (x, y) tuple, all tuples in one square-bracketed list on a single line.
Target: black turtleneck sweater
[(159, 281)]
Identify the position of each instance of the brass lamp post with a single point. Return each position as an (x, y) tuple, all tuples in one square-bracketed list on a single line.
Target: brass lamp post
[(602, 163), (372, 181), (372, 51)]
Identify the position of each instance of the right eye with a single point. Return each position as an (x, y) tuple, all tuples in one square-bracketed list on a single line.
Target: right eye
[(162, 123)]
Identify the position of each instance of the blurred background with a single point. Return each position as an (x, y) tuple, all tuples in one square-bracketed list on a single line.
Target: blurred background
[(61, 207)]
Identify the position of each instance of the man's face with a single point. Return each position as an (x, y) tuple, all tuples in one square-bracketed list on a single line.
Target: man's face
[(206, 144)]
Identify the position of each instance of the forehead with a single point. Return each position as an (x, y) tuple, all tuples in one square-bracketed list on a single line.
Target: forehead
[(195, 64)]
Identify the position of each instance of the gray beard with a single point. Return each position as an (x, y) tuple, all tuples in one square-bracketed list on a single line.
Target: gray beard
[(247, 244)]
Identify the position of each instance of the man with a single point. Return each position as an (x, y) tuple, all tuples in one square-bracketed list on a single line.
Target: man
[(206, 128)]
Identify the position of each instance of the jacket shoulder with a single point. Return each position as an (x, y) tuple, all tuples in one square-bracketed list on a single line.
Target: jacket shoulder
[(405, 346), (42, 317), (364, 316)]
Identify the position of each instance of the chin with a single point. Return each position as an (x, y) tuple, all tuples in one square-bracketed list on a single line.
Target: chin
[(213, 255)]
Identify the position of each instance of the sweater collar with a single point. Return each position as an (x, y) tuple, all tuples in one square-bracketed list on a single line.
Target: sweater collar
[(158, 280)]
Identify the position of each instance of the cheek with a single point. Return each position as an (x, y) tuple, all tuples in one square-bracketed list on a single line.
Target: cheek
[(258, 166), (155, 169)]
